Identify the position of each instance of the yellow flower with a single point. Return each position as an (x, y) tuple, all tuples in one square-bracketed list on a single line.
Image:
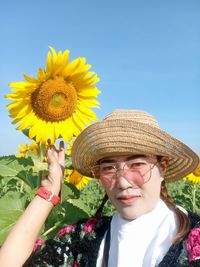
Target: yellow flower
[(194, 177), (69, 148), (22, 152), (74, 177), (58, 102)]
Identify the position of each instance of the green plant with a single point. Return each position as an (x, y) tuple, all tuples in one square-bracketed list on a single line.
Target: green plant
[(19, 180), (185, 194)]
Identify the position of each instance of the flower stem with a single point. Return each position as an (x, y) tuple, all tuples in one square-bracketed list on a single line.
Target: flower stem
[(194, 188), (49, 230), (41, 154)]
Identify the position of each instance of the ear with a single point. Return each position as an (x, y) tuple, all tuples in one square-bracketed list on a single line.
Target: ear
[(163, 165)]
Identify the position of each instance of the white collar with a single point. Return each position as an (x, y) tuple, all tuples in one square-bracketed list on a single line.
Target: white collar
[(142, 242)]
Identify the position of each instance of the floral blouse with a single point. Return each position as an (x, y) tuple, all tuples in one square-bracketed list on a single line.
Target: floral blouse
[(78, 246)]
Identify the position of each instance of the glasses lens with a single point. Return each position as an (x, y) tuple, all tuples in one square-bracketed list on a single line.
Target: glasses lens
[(137, 172), (134, 178), (106, 172)]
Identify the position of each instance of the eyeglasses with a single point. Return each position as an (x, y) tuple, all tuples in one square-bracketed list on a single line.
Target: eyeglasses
[(136, 171)]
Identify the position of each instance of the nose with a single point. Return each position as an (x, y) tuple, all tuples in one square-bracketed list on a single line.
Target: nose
[(121, 182)]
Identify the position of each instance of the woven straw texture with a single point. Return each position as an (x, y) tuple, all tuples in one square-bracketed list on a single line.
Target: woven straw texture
[(131, 132)]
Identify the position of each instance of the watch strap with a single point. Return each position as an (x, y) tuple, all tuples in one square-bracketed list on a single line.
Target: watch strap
[(48, 195)]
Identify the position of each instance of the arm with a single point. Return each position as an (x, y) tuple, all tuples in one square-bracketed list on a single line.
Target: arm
[(19, 244)]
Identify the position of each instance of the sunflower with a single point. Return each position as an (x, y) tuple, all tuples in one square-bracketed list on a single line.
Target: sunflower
[(74, 177), (24, 149), (194, 177), (58, 102)]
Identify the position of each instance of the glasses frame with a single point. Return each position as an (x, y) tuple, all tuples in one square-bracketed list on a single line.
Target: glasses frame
[(118, 169)]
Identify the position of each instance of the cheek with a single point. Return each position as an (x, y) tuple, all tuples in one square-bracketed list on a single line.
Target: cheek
[(153, 187)]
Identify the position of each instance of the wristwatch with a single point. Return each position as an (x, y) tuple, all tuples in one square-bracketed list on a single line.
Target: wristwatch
[(48, 195)]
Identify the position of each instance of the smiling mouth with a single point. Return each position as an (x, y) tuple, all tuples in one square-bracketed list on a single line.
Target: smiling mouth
[(128, 199)]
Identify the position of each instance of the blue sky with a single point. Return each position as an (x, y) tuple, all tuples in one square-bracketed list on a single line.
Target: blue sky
[(146, 54)]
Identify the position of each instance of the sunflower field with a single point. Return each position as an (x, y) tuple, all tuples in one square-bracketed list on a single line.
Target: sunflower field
[(58, 104), (20, 179)]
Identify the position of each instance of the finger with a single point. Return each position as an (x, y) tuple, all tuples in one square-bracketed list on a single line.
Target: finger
[(51, 155), (54, 150), (51, 146), (61, 145), (61, 154)]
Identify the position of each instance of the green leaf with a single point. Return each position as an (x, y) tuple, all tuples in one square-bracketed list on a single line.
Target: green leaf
[(69, 191), (21, 168), (13, 200), (40, 166), (75, 211), (26, 132), (68, 163), (29, 178), (12, 206), (11, 166)]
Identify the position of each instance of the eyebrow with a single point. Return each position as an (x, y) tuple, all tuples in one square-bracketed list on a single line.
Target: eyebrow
[(128, 158)]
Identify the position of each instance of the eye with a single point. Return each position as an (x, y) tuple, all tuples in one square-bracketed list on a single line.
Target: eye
[(107, 167), (136, 164)]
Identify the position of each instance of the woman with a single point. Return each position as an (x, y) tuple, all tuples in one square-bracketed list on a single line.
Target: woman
[(133, 158)]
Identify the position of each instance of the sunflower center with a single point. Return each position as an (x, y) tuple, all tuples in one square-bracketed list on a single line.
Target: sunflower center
[(58, 100), (55, 100)]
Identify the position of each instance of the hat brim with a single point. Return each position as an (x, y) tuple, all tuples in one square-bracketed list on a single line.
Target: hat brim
[(121, 137)]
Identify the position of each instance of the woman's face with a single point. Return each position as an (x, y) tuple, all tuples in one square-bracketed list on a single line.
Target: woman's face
[(134, 189)]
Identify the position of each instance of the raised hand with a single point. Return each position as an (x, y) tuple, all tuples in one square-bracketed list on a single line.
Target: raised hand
[(56, 164)]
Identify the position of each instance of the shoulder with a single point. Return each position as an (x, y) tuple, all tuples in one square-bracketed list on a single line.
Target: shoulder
[(73, 243), (185, 253), (87, 229)]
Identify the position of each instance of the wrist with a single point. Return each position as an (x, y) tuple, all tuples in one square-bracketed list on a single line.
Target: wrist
[(52, 186), (48, 195)]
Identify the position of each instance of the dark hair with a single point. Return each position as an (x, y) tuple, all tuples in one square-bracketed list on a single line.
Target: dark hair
[(182, 218)]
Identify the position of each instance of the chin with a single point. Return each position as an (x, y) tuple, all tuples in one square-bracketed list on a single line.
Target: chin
[(129, 214)]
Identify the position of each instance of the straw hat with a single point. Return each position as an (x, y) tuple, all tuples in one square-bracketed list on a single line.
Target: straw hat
[(131, 132)]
